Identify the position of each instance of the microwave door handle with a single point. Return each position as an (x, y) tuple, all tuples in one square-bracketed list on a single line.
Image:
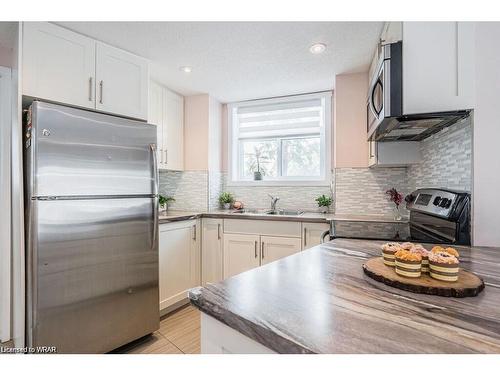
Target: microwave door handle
[(375, 112)]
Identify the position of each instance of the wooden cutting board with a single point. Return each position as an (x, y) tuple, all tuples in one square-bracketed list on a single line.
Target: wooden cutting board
[(467, 285)]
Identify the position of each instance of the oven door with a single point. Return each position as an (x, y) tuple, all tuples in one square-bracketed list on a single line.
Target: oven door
[(426, 228)]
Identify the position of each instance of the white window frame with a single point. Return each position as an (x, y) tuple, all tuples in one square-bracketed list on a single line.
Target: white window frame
[(325, 142)]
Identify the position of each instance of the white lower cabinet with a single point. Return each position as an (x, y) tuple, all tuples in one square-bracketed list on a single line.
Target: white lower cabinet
[(311, 234), (212, 251), (241, 253), (274, 248), (179, 263)]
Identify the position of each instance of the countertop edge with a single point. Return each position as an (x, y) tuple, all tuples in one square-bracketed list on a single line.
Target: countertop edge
[(302, 218), (277, 343)]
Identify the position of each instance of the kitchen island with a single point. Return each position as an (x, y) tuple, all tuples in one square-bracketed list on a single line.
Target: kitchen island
[(320, 301)]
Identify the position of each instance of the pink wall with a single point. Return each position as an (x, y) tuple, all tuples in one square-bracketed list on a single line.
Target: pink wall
[(196, 118), (350, 146)]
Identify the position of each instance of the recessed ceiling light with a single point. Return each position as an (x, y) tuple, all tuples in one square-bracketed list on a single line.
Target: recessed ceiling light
[(317, 48), (186, 69)]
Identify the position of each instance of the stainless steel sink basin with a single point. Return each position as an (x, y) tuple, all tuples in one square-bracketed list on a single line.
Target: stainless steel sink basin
[(269, 212), (285, 212)]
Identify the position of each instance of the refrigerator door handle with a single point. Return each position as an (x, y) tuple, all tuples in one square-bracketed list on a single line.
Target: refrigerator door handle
[(152, 147)]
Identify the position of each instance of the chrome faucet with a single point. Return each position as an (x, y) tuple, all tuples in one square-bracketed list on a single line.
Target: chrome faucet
[(274, 200)]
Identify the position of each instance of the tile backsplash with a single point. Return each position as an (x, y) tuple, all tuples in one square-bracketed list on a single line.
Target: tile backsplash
[(292, 197), (362, 190), (189, 188), (446, 159), (446, 162)]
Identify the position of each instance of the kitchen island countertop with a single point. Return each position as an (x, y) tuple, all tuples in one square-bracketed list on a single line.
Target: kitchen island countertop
[(320, 301)]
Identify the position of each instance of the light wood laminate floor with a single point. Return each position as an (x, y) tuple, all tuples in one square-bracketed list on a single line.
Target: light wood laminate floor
[(179, 333)]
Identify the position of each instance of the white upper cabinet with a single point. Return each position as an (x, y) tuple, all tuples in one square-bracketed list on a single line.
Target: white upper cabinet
[(174, 126), (121, 82), (58, 64), (155, 117), (66, 67), (166, 111), (438, 66)]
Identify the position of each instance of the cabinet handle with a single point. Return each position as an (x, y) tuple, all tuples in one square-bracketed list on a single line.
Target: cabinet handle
[(305, 237), (90, 89), (262, 249), (255, 249), (100, 91), (166, 156), (194, 232), (218, 232), (161, 156)]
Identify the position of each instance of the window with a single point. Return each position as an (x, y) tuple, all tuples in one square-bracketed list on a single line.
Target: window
[(286, 139)]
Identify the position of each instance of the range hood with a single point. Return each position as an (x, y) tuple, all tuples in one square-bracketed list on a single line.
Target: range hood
[(414, 127)]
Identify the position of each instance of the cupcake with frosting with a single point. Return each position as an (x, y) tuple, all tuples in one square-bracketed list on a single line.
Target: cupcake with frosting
[(443, 266), (448, 250), (388, 251), (408, 264), (424, 253)]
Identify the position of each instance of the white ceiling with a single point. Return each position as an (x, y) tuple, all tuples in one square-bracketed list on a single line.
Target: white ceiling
[(242, 60)]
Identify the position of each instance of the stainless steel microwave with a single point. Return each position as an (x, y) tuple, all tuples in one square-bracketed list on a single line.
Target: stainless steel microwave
[(385, 94), (386, 120)]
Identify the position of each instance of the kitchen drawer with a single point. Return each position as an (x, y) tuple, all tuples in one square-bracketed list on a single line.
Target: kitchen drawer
[(263, 227)]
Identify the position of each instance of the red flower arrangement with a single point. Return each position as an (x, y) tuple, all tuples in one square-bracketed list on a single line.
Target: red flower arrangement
[(395, 196)]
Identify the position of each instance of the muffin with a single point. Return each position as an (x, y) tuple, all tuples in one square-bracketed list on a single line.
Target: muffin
[(407, 245), (448, 250), (388, 251), (424, 253), (443, 266), (408, 264)]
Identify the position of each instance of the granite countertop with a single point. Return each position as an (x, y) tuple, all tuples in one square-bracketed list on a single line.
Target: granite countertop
[(320, 301), (314, 217)]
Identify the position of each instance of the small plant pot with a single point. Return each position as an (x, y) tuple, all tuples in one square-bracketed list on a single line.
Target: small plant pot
[(323, 209), (257, 176), (226, 206)]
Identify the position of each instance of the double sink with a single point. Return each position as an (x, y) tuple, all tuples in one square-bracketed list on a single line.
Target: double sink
[(281, 212)]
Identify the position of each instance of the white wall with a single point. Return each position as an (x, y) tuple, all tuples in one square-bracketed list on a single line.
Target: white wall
[(486, 135)]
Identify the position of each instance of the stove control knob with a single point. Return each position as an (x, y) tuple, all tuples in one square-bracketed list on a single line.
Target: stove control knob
[(448, 204), (444, 202), (409, 198), (436, 202)]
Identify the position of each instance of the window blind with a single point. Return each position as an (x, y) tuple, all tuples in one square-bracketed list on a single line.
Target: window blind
[(286, 119)]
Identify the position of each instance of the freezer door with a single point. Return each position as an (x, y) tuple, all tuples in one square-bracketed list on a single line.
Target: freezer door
[(92, 273), (82, 153)]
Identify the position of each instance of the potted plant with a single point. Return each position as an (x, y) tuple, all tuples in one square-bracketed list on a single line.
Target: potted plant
[(164, 201), (255, 165), (324, 203), (225, 199), (397, 198)]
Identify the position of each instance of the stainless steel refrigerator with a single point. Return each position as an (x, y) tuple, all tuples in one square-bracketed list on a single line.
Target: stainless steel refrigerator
[(91, 229)]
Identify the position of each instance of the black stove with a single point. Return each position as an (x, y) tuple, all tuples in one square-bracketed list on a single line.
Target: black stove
[(436, 216)]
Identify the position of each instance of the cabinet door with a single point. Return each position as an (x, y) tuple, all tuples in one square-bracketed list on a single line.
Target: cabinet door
[(58, 64), (241, 253), (178, 261), (312, 233), (274, 248), (155, 117), (438, 61), (122, 82), (174, 130), (211, 254)]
